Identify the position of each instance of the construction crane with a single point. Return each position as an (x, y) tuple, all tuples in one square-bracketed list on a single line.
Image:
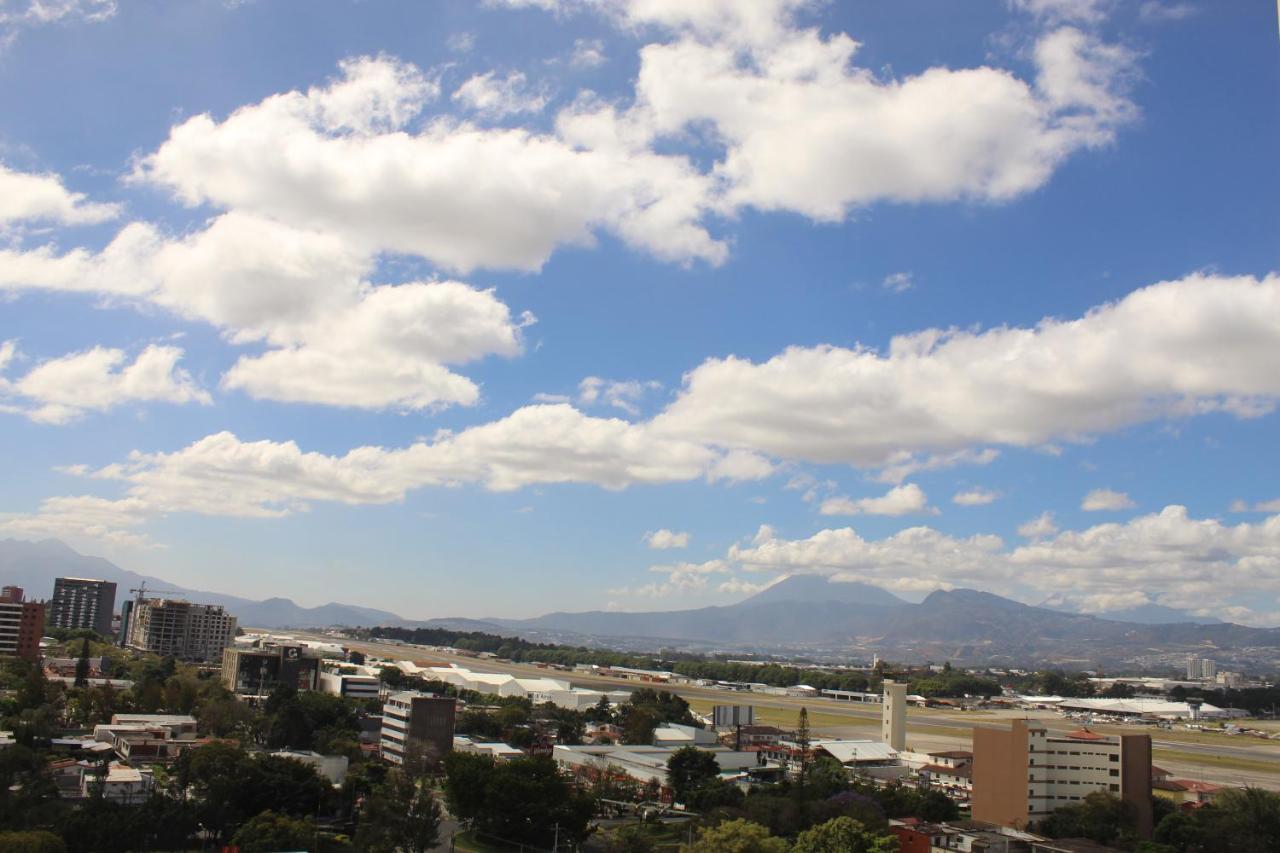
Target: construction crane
[(142, 591), (139, 593)]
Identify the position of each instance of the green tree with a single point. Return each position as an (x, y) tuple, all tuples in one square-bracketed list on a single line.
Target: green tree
[(1182, 831), (223, 716), (37, 841), (715, 794), (466, 776), (1246, 820), (400, 814), (601, 712), (936, 807), (631, 838), (844, 835), (528, 801), (267, 832), (802, 743), (827, 777), (34, 689), (637, 726), (229, 786), (1119, 690), (82, 664), (1101, 817), (736, 836), (689, 769)]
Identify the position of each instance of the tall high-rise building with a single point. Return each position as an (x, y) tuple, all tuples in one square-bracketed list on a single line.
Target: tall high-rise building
[(893, 715), (126, 609), (1201, 669), (82, 603), (21, 624), (1022, 775), (181, 629), (411, 717)]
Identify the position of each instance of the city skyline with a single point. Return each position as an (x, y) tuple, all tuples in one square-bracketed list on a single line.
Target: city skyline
[(497, 309)]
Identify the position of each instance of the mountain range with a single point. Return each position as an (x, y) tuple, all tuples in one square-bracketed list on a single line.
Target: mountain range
[(807, 612), (34, 566), (799, 613)]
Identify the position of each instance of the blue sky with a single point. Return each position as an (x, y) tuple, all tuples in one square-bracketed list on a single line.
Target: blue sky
[(449, 308)]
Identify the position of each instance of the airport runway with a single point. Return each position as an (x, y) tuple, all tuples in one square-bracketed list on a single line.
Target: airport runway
[(928, 729)]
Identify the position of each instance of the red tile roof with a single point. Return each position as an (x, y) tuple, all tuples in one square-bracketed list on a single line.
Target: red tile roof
[(943, 770), (1085, 734)]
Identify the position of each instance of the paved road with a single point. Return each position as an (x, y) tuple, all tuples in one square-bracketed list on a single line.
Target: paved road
[(928, 729)]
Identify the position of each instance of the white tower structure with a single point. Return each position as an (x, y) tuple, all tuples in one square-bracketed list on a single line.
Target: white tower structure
[(893, 715)]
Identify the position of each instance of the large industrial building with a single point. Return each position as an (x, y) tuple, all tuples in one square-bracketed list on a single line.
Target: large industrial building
[(421, 718), (82, 603), (180, 629), (644, 765), (258, 670), (21, 624), (1021, 775), (557, 691)]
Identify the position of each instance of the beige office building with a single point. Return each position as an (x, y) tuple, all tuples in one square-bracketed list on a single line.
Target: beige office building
[(1021, 775)]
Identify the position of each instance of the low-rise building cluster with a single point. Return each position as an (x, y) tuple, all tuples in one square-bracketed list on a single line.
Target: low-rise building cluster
[(557, 691)]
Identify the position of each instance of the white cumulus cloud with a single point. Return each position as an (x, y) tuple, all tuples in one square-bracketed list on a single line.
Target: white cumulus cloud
[(25, 196), (1039, 527), (1169, 557), (333, 337), (900, 500), (497, 96), (346, 159), (974, 497), (1100, 500), (63, 389), (1204, 343), (664, 539)]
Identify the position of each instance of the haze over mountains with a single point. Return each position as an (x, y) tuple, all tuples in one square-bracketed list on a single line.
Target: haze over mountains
[(799, 612), (34, 565)]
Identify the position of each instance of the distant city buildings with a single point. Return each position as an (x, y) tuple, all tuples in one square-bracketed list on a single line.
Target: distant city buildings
[(180, 629), (1022, 775), (82, 603), (258, 670), (148, 738), (21, 624), (417, 718), (1201, 669), (1230, 680)]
